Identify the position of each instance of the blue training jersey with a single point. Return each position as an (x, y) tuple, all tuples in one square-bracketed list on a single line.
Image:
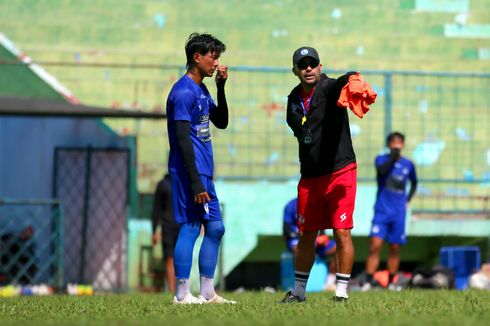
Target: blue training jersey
[(392, 197), (291, 217), (191, 102)]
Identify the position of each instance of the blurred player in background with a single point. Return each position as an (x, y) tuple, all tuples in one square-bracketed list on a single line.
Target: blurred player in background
[(327, 189), (324, 246), (162, 214), (190, 107), (393, 171)]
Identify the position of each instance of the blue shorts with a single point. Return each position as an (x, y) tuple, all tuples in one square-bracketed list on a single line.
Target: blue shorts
[(389, 228), (185, 210), (291, 243), (321, 251)]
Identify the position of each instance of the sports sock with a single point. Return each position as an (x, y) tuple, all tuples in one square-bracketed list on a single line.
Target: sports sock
[(207, 287), (391, 277), (342, 282), (208, 255), (184, 249), (330, 280), (182, 288), (300, 280)]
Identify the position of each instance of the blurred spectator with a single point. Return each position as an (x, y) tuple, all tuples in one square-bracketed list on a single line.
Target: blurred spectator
[(162, 214)]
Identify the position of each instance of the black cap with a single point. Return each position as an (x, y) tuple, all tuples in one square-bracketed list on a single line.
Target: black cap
[(303, 52)]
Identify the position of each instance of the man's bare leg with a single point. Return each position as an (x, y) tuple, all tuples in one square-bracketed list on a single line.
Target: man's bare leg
[(372, 262), (170, 273), (393, 261), (344, 259), (305, 257)]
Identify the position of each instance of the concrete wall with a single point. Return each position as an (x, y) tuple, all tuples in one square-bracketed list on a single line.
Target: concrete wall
[(27, 150)]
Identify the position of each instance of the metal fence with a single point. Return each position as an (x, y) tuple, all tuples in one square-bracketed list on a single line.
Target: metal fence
[(31, 237), (92, 184), (86, 242), (447, 110), (445, 116)]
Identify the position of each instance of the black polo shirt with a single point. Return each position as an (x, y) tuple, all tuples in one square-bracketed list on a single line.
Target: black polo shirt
[(325, 143)]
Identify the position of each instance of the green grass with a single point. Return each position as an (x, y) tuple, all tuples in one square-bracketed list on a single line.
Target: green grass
[(375, 308)]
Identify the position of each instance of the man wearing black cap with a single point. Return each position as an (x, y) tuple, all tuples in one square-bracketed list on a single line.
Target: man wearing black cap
[(327, 189)]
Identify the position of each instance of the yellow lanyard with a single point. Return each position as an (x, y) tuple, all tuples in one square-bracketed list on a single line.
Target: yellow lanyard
[(303, 120)]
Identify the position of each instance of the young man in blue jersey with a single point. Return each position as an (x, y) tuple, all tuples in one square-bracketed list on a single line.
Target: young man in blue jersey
[(393, 172), (189, 110)]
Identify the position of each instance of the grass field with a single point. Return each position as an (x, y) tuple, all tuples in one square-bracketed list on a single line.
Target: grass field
[(374, 308)]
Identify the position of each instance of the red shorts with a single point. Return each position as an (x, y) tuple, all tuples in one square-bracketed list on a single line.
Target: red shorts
[(327, 202)]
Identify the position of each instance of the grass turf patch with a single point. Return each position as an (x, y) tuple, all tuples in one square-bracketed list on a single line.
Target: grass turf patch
[(374, 308)]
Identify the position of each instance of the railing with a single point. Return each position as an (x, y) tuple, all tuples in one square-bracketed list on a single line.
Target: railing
[(31, 238), (445, 116)]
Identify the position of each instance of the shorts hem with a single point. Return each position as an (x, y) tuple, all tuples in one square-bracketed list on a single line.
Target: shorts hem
[(319, 228)]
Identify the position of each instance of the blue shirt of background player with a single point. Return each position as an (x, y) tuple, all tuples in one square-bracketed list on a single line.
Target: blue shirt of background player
[(291, 219), (290, 231), (391, 197), (191, 102)]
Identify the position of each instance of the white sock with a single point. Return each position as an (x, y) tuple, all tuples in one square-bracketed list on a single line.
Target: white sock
[(300, 280), (182, 288), (207, 287), (342, 282), (330, 280)]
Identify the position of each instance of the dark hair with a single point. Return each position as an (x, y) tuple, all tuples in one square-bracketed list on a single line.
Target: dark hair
[(394, 135), (202, 44)]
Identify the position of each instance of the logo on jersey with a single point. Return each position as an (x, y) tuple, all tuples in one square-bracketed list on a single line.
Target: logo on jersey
[(206, 208), (203, 128), (203, 133), (203, 103), (375, 229), (343, 217), (204, 118), (301, 219)]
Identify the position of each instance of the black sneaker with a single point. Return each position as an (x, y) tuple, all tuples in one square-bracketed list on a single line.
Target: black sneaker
[(340, 299), (291, 298)]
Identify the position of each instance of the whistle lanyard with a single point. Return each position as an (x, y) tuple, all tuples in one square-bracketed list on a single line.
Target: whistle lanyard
[(303, 121)]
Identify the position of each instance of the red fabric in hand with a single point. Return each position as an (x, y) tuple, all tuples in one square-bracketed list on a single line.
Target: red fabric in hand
[(357, 94)]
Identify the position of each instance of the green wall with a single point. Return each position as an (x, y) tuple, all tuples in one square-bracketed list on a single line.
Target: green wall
[(253, 212)]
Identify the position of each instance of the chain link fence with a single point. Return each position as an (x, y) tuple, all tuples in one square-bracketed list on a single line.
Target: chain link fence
[(31, 238), (449, 110), (445, 116), (93, 186), (86, 243)]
